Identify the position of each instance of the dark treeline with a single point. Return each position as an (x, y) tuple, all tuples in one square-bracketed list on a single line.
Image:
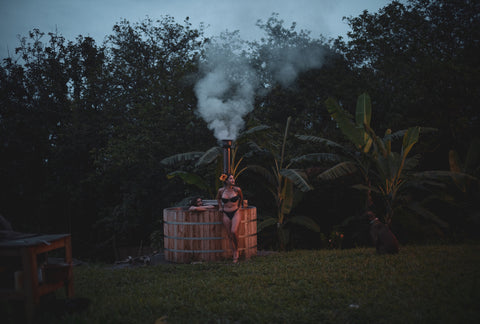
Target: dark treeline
[(83, 126)]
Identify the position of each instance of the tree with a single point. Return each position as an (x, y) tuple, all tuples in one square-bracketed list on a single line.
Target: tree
[(297, 74), (33, 111), (418, 61), (150, 116)]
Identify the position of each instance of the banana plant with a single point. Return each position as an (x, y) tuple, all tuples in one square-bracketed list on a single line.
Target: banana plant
[(357, 130), (390, 167), (354, 130), (281, 181), (202, 159), (383, 171)]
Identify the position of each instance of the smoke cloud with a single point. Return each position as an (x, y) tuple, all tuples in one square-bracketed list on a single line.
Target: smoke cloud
[(226, 92), (227, 89)]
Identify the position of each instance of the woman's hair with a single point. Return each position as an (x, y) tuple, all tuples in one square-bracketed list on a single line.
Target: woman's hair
[(228, 176), (193, 202)]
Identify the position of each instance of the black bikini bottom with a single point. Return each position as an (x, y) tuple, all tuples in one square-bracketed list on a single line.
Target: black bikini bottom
[(230, 214)]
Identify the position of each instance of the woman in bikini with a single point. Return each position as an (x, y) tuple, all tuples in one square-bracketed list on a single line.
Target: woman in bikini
[(230, 199)]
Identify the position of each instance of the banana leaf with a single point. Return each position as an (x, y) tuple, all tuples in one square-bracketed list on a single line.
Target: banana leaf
[(426, 214), (344, 121), (320, 140), (363, 113), (388, 166), (363, 116), (409, 139), (305, 221), (339, 170), (181, 157), (363, 187), (412, 162), (397, 135), (287, 198), (297, 177), (459, 178), (318, 157), (253, 130), (209, 156), (270, 221)]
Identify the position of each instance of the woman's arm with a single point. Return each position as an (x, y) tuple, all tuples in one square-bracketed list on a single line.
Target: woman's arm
[(240, 193), (219, 199), (201, 208)]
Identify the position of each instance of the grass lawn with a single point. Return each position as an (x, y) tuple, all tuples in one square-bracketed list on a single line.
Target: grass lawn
[(422, 284)]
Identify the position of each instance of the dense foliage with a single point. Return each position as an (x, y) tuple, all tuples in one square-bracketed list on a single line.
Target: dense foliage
[(84, 126)]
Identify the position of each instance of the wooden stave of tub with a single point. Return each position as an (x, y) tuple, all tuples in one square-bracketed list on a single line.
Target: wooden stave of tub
[(196, 236)]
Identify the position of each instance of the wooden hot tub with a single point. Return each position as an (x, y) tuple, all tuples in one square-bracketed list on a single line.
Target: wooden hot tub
[(200, 235)]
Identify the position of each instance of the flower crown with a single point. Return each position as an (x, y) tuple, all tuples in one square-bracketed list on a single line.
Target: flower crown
[(223, 177)]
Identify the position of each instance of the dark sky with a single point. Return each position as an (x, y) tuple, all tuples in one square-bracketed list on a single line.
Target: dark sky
[(95, 18)]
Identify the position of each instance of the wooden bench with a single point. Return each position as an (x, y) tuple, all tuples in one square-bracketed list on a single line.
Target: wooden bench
[(33, 281)]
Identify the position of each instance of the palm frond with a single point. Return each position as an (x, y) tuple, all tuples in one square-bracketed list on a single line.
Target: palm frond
[(428, 215), (354, 133), (378, 143), (287, 198), (396, 135), (209, 156), (235, 167), (445, 175), (270, 221), (318, 157), (363, 113), (425, 184), (363, 187), (399, 134), (297, 177), (412, 162), (238, 173), (409, 139), (253, 130), (254, 146), (339, 170), (319, 140), (181, 157)]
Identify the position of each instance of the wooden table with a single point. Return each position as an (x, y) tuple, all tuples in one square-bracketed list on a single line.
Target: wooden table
[(27, 249)]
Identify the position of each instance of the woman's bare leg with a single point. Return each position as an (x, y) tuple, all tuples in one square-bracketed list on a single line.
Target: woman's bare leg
[(234, 232), (228, 227)]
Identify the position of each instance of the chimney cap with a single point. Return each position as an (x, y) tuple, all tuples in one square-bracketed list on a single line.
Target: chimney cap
[(227, 142)]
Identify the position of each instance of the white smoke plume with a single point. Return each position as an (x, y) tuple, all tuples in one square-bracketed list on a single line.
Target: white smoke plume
[(226, 92)]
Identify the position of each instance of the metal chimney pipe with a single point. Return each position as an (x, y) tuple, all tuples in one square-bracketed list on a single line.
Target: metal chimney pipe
[(226, 144)]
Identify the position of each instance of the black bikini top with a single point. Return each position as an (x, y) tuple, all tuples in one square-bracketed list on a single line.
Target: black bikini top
[(233, 199)]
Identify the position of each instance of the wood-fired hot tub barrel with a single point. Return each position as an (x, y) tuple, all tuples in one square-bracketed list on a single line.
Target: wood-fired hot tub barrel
[(200, 235)]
